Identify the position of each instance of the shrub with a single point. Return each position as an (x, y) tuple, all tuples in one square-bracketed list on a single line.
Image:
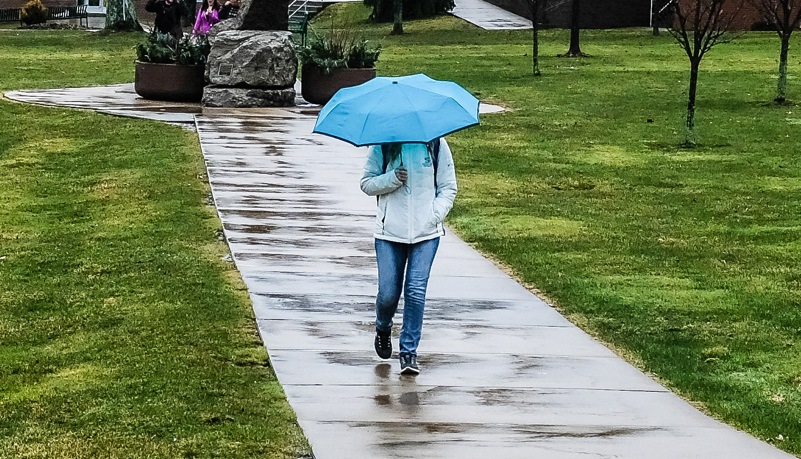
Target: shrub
[(34, 12), (326, 56), (383, 10), (338, 48), (163, 48)]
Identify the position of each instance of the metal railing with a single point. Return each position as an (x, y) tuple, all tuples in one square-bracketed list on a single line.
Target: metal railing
[(300, 8), (10, 14), (68, 12), (551, 6)]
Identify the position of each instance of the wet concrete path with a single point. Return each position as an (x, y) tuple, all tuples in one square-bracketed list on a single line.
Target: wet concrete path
[(488, 16), (504, 375)]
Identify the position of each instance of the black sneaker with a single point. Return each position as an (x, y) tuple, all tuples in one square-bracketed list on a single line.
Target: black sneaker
[(408, 364), (383, 344)]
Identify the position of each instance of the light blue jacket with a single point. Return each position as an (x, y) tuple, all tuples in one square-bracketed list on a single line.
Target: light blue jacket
[(414, 211)]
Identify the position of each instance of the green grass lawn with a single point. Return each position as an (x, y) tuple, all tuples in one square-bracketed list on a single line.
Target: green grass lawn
[(688, 262), (123, 333)]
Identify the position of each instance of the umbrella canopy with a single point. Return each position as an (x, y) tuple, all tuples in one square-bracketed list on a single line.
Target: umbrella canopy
[(408, 109)]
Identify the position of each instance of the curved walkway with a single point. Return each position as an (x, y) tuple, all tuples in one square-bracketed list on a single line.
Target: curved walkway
[(504, 375)]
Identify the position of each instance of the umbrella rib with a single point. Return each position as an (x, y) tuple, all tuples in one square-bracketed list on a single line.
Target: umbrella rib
[(367, 116), (411, 103)]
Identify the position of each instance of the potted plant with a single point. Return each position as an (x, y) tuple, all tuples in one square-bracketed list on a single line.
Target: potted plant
[(170, 69), (334, 60)]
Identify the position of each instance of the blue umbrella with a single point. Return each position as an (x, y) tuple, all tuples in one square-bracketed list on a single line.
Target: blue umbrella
[(409, 109)]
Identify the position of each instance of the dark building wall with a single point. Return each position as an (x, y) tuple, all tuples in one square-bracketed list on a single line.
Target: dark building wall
[(606, 14), (595, 14), (747, 18), (603, 14)]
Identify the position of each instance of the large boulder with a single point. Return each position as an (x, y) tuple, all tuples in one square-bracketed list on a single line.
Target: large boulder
[(222, 26), (251, 58), (223, 96)]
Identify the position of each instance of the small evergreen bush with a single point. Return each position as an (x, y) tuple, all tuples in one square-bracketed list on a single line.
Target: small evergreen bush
[(34, 12)]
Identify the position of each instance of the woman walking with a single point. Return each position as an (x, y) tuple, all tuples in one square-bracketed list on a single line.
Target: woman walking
[(415, 184)]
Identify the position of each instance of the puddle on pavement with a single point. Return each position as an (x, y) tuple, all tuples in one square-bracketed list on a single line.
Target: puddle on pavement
[(547, 432), (383, 370), (409, 399), (443, 427)]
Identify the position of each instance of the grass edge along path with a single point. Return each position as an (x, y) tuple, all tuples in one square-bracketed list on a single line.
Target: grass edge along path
[(686, 261), (123, 333)]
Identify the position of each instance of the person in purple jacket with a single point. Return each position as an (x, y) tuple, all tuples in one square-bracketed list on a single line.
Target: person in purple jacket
[(206, 17)]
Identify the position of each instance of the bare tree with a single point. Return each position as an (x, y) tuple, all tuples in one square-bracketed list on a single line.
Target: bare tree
[(784, 16), (698, 26), (534, 6)]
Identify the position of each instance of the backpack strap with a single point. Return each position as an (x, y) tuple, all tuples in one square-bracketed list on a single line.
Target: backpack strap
[(385, 154), (433, 147)]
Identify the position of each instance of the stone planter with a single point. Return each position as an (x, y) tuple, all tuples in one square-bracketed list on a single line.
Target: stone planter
[(173, 82), (318, 88)]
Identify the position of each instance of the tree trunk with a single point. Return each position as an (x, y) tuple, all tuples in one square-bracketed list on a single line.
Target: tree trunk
[(121, 15), (535, 52), (535, 43), (781, 90), (689, 137), (575, 49), (397, 26)]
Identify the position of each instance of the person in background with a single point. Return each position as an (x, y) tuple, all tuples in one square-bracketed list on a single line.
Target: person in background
[(206, 17), (230, 9), (168, 15), (416, 185)]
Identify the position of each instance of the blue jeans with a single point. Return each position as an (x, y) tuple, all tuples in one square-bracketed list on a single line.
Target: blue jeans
[(393, 259)]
